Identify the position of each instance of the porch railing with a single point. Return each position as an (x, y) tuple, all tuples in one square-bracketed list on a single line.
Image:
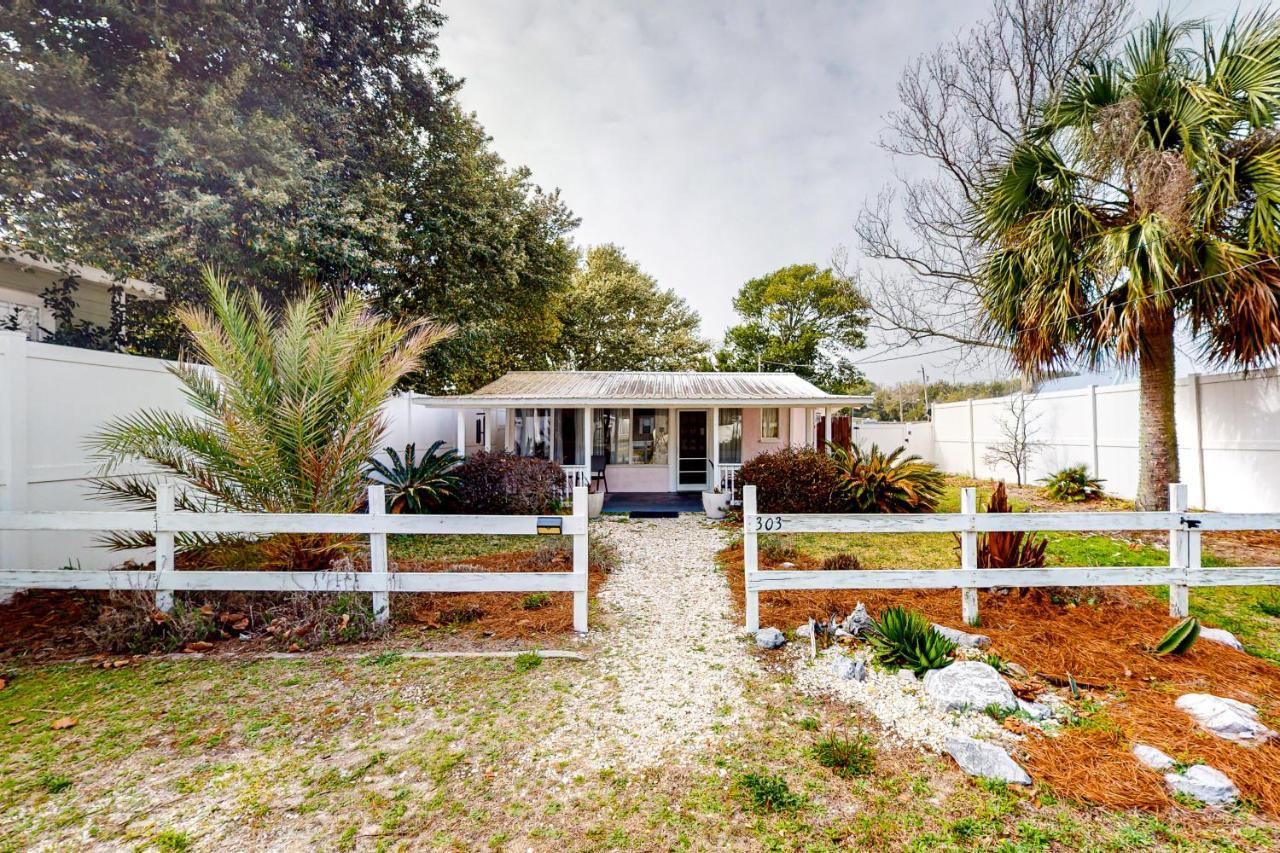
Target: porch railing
[(575, 475), (726, 478)]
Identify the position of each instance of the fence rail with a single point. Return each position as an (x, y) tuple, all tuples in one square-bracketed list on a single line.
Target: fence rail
[(1183, 572), (165, 523)]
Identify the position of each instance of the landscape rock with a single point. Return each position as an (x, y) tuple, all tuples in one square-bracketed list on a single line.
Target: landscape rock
[(849, 669), (1035, 710), (906, 675), (1226, 718), (969, 684), (1016, 670), (1218, 635), (769, 638), (787, 565), (858, 621), (1204, 783), (805, 630), (985, 760), (1152, 757), (963, 640)]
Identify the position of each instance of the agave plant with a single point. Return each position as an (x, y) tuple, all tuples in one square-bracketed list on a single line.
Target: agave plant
[(905, 639), (1073, 484), (1179, 639), (287, 412), (873, 481), (417, 485)]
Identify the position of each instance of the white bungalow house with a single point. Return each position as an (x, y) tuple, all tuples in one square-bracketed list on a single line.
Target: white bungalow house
[(24, 277), (642, 431)]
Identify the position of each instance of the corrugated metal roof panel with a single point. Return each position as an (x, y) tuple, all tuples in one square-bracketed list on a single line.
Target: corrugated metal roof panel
[(553, 385)]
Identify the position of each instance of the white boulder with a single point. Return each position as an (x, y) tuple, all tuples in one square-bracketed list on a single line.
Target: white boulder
[(969, 684), (1226, 718), (1205, 784), (1218, 635), (1152, 757), (986, 760), (961, 639), (769, 638), (849, 669)]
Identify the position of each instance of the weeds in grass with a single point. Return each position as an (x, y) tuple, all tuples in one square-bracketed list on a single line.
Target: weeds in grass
[(526, 661), (841, 563), (1269, 606), (778, 551), (768, 793), (535, 601), (847, 755), (53, 783), (171, 841), (807, 724), (380, 659)]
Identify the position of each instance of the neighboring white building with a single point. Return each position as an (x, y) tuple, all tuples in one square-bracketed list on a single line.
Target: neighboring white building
[(24, 277), (649, 431)]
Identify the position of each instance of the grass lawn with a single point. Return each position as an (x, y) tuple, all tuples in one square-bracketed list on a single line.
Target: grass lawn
[(387, 753), (456, 547)]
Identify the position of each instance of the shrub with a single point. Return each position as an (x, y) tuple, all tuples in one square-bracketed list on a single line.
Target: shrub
[(793, 480), (1073, 484), (417, 485), (506, 484), (769, 793), (778, 551), (1009, 549), (285, 418), (535, 601), (847, 756), (905, 639), (526, 661), (841, 563), (872, 481)]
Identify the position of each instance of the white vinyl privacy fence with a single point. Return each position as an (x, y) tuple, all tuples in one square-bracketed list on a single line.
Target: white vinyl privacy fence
[(1183, 572), (166, 523)]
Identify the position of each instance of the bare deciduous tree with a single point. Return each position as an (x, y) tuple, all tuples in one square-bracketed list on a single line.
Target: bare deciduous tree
[(959, 107), (1017, 444)]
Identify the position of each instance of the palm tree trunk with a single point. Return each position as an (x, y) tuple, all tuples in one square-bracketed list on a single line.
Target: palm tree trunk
[(1157, 433)]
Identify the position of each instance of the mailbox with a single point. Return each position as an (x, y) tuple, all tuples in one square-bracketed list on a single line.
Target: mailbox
[(550, 525)]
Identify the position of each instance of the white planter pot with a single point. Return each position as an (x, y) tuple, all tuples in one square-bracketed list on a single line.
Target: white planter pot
[(714, 504), (595, 504)]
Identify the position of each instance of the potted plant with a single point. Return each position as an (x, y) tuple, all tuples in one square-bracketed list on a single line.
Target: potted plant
[(715, 502), (595, 502)]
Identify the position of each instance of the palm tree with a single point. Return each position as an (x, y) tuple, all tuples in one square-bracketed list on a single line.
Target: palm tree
[(287, 414), (1146, 197)]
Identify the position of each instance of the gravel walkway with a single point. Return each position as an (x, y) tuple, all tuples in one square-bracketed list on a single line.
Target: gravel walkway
[(666, 679)]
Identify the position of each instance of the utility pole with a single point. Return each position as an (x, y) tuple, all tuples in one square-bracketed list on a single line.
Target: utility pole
[(924, 382)]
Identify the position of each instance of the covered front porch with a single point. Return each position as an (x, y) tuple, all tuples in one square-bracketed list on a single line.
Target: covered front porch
[(643, 433)]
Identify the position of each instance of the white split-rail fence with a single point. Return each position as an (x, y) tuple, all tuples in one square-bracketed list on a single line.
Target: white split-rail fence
[(166, 523), (1183, 572)]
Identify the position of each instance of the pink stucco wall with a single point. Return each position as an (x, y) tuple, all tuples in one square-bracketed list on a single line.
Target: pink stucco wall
[(638, 478)]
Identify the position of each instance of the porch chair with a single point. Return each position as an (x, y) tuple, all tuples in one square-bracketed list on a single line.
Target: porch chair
[(597, 470)]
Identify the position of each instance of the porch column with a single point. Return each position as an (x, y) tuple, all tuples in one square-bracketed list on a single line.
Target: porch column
[(588, 440), (462, 433), (490, 420), (826, 426), (713, 436), (509, 432)]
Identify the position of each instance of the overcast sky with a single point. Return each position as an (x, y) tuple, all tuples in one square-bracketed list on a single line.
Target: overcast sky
[(714, 141)]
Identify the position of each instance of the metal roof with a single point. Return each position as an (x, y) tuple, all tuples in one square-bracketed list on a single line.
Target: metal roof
[(581, 387)]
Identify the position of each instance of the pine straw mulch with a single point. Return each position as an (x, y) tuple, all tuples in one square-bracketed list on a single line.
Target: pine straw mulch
[(53, 623), (1100, 644)]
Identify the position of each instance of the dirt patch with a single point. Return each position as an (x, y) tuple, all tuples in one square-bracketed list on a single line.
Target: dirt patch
[(1104, 644)]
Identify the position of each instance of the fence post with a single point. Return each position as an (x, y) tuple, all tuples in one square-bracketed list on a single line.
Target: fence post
[(973, 443), (1179, 554), (378, 554), (164, 547), (581, 559), (969, 556), (750, 557), (14, 465)]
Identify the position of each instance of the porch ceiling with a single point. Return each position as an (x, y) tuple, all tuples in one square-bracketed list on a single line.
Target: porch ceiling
[(570, 388)]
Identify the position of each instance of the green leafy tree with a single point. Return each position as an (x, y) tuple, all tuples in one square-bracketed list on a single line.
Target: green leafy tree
[(906, 400), (803, 319), (616, 317), (1147, 195), (287, 415)]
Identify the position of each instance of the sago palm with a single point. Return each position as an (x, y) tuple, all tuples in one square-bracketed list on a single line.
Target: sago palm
[(286, 411), (1147, 197)]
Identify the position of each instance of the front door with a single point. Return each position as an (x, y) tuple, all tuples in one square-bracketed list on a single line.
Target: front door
[(691, 470)]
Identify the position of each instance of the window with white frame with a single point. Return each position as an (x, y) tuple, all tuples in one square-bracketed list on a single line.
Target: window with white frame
[(769, 423), (15, 317), (729, 434)]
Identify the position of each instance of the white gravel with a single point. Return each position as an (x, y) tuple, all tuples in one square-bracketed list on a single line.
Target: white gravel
[(909, 717), (667, 678)]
